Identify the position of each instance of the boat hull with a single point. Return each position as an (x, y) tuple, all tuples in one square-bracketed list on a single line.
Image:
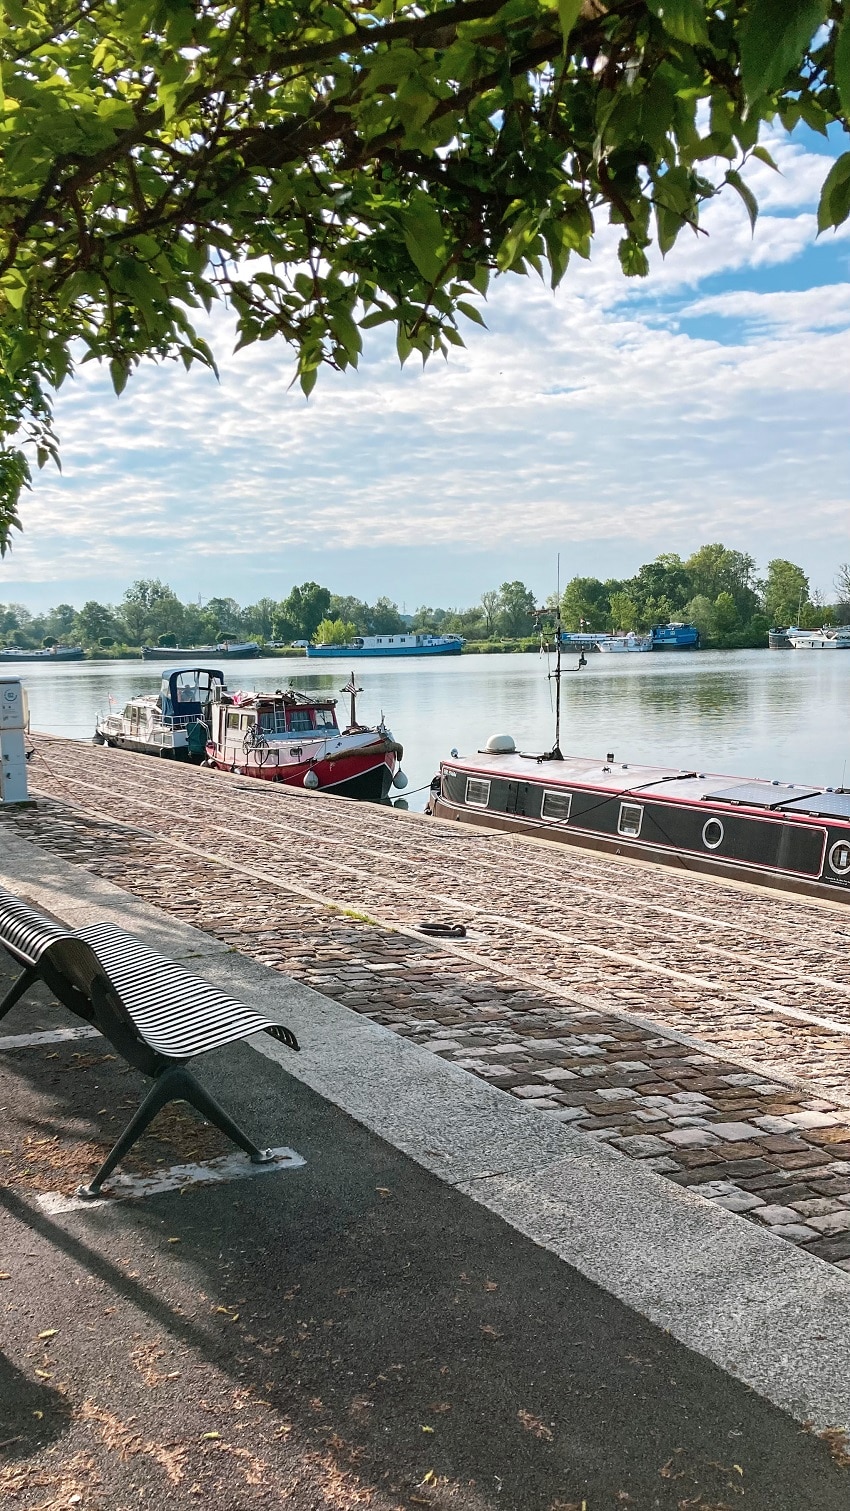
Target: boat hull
[(144, 747), (778, 835), (242, 652), (345, 652), (367, 776), (45, 658)]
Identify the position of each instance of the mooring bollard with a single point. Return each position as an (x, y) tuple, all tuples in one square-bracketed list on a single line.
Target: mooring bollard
[(13, 761)]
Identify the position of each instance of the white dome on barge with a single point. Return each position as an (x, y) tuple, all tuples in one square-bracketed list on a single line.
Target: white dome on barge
[(500, 745)]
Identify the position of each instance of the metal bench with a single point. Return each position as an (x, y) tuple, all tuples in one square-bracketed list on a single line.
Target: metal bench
[(156, 1015)]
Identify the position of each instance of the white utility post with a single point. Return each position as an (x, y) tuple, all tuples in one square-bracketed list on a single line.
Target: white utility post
[(13, 762)]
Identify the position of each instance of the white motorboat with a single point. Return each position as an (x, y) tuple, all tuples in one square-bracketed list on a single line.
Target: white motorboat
[(617, 644), (171, 723), (835, 638)]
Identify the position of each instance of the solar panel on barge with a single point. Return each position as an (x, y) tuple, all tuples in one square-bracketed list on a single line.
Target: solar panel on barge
[(759, 794), (822, 805)]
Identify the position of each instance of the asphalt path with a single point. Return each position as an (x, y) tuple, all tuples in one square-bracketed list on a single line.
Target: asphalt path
[(350, 1333)]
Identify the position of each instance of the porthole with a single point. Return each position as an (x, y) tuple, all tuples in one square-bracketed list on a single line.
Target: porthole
[(556, 806), (839, 857), (712, 834)]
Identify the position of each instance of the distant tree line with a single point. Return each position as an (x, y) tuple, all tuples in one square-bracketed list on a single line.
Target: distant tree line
[(716, 588)]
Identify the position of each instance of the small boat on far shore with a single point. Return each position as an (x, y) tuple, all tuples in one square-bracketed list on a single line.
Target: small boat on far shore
[(392, 645), (50, 654), (241, 650), (620, 644), (830, 639)]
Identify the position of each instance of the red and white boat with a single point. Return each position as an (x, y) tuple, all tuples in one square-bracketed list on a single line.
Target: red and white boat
[(294, 738)]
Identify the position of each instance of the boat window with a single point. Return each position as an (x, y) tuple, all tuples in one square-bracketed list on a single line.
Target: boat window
[(477, 792), (248, 721), (839, 857), (556, 805), (300, 721), (325, 718), (273, 721), (631, 818), (233, 721), (712, 834)]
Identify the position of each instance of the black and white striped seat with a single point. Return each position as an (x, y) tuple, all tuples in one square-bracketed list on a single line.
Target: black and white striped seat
[(155, 1013), (177, 1014), (25, 932)]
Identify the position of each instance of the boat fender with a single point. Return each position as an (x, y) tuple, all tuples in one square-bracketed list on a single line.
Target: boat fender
[(311, 780), (400, 780)]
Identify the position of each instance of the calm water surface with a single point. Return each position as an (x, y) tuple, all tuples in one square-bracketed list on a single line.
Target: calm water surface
[(781, 714)]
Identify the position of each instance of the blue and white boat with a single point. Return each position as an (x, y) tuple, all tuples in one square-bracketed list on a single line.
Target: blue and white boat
[(392, 645), (675, 637)]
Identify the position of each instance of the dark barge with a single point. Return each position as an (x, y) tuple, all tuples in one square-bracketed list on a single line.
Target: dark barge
[(792, 836)]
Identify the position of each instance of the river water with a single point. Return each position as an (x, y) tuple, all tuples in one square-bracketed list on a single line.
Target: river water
[(784, 715)]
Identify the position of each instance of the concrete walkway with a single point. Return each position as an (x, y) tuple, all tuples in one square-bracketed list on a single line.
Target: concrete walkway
[(454, 1301)]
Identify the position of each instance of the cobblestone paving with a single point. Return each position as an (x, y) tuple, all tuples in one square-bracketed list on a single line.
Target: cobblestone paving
[(564, 950)]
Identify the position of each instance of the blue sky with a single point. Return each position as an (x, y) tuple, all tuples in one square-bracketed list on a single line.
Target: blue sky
[(608, 422)]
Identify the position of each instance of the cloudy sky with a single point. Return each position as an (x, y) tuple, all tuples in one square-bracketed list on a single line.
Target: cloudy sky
[(607, 422)]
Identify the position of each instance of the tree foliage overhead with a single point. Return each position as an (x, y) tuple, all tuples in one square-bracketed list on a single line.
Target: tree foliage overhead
[(326, 166)]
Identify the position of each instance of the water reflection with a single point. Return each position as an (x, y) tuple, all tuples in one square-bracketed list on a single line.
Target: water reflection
[(749, 713)]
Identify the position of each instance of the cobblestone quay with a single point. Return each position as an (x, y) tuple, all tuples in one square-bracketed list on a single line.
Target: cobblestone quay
[(694, 1024)]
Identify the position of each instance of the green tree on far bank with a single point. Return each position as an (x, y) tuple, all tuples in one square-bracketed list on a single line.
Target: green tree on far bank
[(786, 590)]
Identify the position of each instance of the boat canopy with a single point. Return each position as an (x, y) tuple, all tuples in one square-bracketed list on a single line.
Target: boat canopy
[(184, 690)]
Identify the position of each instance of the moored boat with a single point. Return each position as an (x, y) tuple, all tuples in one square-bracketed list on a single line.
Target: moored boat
[(781, 834), (294, 738), (50, 654), (620, 644), (241, 650), (172, 723), (392, 645), (829, 639), (675, 637)]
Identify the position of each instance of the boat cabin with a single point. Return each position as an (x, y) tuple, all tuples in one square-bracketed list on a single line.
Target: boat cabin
[(186, 692)]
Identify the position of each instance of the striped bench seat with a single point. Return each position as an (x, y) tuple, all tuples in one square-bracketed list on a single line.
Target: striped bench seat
[(155, 1013)]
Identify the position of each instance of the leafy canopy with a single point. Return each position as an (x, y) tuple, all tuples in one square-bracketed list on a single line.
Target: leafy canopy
[(327, 166)]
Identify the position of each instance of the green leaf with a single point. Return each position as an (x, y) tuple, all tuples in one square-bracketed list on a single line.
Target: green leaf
[(842, 63), (834, 206), (734, 178), (307, 379), (423, 236), (682, 19), (774, 38), (633, 258), (569, 12), (471, 312), (764, 157), (119, 373)]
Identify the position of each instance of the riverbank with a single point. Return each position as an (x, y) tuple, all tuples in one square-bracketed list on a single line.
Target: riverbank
[(624, 1094)]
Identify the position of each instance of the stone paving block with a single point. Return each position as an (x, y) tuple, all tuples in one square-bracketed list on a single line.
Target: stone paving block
[(775, 1214), (642, 1144), (818, 1206), (774, 1124), (662, 1164), (616, 1094), (558, 1075), (779, 1143), (794, 1232), (740, 1202), (835, 1222), (529, 1091), (691, 1138), (734, 1133), (829, 1185), (814, 1119), (831, 1248)]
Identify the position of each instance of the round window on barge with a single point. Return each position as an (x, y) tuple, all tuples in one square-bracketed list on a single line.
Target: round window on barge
[(839, 857), (712, 834)]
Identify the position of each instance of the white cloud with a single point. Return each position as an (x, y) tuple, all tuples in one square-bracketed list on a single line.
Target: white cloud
[(583, 416)]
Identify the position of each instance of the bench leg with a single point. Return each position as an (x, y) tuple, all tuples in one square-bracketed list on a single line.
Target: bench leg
[(27, 979), (175, 1085)]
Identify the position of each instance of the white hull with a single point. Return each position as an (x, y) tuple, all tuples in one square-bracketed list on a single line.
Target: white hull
[(820, 642), (619, 646)]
